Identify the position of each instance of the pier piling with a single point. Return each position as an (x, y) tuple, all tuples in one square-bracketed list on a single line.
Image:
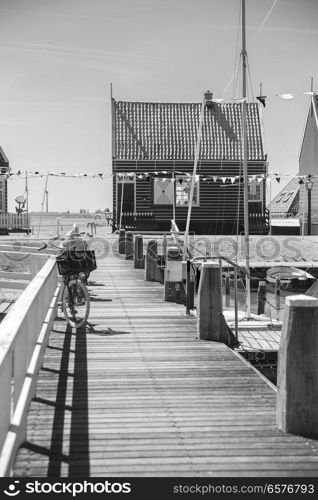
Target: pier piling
[(297, 374), (151, 262), (261, 297), (129, 246), (139, 261), (210, 302), (121, 242)]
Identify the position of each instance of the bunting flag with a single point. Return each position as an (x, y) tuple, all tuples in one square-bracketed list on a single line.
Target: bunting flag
[(262, 99)]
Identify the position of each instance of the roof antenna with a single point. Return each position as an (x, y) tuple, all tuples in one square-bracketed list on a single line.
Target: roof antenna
[(311, 84)]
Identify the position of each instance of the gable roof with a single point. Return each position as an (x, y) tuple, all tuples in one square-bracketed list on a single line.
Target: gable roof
[(285, 198), (168, 131)]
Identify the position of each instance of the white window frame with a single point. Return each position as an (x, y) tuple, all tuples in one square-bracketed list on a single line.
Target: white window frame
[(127, 179), (182, 196)]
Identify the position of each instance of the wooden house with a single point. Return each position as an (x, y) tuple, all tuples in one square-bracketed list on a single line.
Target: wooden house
[(153, 151), (284, 209), (4, 170), (308, 167)]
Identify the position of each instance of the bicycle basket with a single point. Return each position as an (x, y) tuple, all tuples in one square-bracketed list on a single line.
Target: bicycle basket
[(74, 262)]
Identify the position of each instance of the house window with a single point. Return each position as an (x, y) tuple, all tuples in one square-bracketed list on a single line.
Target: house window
[(183, 189), (126, 195), (163, 191), (255, 191)]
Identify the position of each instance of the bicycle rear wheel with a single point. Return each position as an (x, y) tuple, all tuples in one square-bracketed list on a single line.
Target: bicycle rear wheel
[(75, 303)]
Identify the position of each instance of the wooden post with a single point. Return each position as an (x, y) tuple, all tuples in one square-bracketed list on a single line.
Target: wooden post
[(129, 246), (58, 226), (210, 302), (121, 241), (277, 297), (297, 374), (189, 288), (139, 261), (164, 249), (227, 291), (151, 261), (261, 297), (235, 303)]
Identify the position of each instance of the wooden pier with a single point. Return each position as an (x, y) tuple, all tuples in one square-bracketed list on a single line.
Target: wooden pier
[(138, 394)]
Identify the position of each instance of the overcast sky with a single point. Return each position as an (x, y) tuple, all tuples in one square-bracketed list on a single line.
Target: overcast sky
[(59, 57)]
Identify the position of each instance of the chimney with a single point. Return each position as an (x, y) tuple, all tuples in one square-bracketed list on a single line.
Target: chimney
[(208, 98)]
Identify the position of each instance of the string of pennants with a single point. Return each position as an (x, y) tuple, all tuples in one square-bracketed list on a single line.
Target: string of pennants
[(214, 178), (36, 173), (164, 174)]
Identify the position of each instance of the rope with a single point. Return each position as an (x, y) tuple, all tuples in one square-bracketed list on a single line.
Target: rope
[(274, 307)]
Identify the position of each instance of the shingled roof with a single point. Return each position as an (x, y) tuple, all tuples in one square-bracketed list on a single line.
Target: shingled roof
[(285, 198), (168, 131)]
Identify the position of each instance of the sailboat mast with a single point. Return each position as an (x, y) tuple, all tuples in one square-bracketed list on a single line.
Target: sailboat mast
[(245, 176)]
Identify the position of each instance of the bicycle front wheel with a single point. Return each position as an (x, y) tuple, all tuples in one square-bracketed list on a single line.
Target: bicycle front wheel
[(75, 303)]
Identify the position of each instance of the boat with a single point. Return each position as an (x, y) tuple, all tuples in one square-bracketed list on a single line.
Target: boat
[(290, 277)]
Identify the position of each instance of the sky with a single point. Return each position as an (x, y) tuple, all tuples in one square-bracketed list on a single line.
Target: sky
[(58, 59)]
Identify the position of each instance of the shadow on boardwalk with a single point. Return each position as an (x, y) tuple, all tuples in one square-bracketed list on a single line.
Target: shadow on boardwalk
[(79, 438)]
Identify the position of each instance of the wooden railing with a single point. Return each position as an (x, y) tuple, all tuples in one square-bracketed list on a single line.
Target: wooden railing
[(23, 338), (137, 221)]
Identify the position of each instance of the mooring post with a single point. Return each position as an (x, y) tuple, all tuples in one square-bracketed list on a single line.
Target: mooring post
[(121, 241), (189, 288), (139, 262), (210, 302), (297, 373), (151, 261), (261, 297), (129, 246)]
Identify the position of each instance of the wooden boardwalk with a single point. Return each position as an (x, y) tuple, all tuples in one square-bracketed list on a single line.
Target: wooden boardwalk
[(137, 394)]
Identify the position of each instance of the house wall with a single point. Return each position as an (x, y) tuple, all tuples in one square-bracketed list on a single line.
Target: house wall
[(219, 207), (308, 164), (303, 206), (3, 191)]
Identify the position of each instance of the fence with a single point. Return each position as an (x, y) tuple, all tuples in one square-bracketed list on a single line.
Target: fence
[(15, 222), (137, 221)]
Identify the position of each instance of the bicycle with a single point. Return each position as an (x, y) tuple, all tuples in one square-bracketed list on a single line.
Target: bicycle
[(75, 266)]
